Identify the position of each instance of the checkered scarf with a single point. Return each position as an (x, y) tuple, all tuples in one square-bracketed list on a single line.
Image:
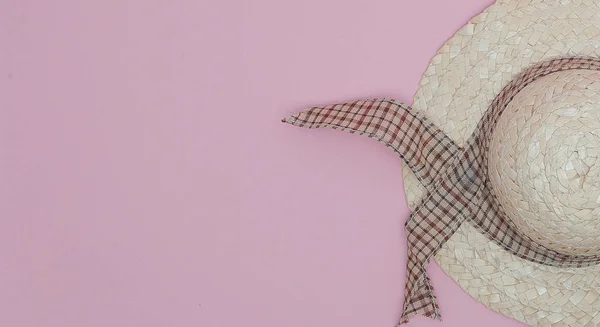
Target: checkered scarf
[(455, 178)]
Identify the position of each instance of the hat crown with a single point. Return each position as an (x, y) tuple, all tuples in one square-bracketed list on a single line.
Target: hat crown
[(544, 165)]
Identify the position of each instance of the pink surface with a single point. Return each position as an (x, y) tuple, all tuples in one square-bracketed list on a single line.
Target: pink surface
[(146, 179)]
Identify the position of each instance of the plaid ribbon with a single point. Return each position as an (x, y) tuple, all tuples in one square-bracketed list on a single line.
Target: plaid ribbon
[(455, 178)]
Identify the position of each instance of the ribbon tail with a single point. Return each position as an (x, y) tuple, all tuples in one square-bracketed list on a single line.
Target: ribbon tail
[(419, 297), (428, 228), (430, 154), (422, 146)]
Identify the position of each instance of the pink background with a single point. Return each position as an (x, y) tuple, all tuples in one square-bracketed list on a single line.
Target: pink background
[(146, 179)]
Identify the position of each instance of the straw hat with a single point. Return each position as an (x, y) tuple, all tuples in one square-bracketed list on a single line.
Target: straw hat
[(502, 153)]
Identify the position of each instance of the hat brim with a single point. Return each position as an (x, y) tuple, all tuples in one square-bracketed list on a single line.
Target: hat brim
[(455, 91)]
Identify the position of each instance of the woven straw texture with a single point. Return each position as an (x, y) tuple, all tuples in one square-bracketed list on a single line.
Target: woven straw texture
[(543, 161), (461, 82)]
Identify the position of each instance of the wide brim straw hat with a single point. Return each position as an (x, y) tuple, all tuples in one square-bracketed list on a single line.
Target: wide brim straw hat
[(538, 60)]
